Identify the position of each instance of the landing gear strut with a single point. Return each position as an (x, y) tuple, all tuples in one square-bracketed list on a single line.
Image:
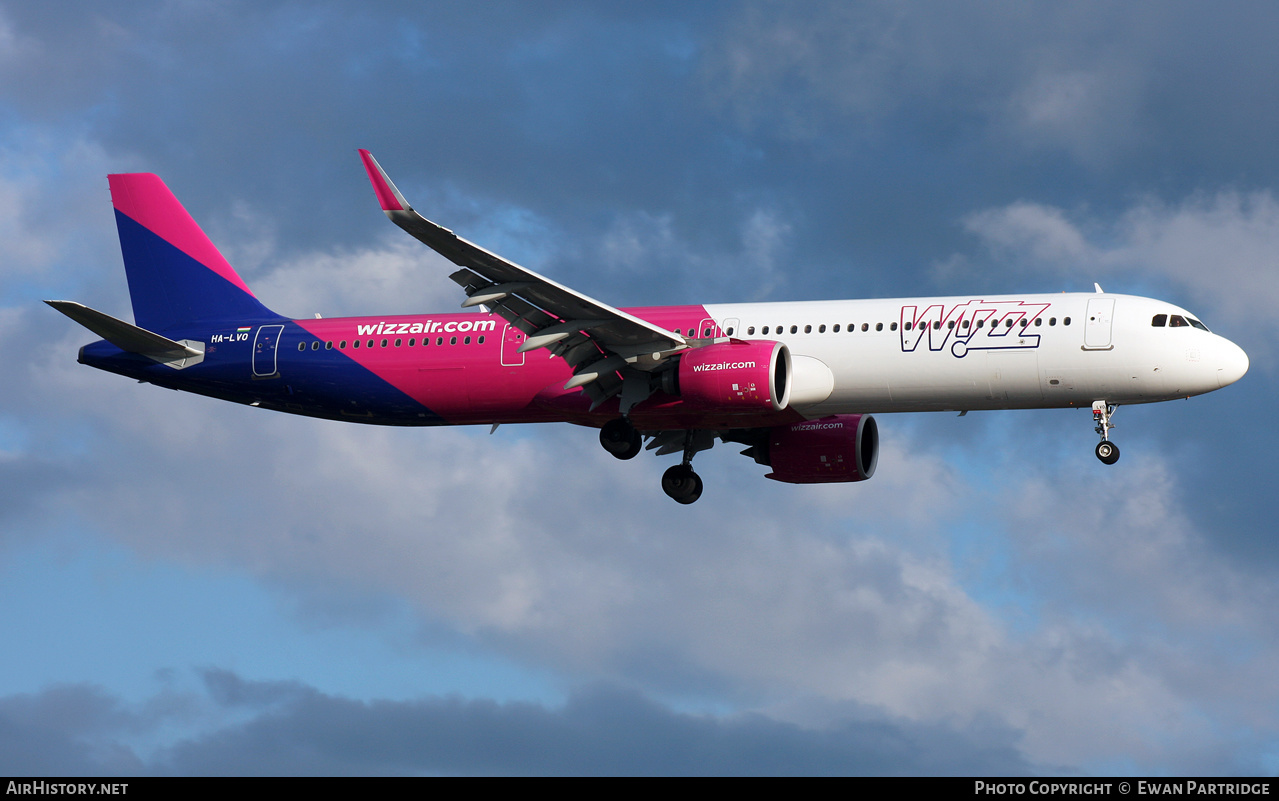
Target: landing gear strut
[(1107, 451), (680, 482), (620, 438)]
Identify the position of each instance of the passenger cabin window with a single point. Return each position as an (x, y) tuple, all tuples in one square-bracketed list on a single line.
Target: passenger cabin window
[(1159, 321)]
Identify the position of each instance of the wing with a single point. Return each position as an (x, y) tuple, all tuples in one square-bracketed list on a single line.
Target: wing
[(606, 347)]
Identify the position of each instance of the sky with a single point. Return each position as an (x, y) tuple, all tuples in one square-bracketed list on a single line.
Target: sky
[(194, 587)]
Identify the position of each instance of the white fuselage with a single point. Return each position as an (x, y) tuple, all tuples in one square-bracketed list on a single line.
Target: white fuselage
[(987, 352)]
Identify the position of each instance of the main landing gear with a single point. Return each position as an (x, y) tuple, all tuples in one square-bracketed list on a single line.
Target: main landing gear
[(1107, 451), (680, 482), (620, 438)]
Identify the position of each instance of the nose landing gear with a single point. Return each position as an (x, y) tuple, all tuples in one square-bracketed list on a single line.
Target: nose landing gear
[(1107, 451)]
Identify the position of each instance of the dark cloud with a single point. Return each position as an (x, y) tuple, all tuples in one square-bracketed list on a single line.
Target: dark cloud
[(68, 730), (601, 731), (289, 728)]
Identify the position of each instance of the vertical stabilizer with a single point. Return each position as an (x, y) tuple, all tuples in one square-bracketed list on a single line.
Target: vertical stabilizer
[(176, 275)]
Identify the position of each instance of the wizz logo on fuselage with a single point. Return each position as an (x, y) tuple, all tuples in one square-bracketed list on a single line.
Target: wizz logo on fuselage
[(975, 325)]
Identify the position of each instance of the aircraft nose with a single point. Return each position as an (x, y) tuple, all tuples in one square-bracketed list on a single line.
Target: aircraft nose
[(1232, 363)]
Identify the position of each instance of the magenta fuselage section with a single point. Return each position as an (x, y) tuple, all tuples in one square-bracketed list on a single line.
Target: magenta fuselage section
[(467, 369)]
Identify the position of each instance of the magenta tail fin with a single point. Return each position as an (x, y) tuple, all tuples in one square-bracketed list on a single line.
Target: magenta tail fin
[(176, 275)]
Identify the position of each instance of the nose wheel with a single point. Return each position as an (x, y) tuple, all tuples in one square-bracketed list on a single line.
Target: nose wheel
[(1107, 451)]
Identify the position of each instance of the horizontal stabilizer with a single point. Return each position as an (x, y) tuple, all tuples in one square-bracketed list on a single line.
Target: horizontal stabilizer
[(126, 336)]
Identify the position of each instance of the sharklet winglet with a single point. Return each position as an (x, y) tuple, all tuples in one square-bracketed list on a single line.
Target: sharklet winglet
[(387, 194)]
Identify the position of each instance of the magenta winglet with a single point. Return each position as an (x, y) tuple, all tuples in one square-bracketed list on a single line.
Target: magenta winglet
[(387, 194), (145, 199)]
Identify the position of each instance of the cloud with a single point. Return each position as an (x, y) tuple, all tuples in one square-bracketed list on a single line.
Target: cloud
[(1217, 249), (288, 728), (1032, 230), (639, 246)]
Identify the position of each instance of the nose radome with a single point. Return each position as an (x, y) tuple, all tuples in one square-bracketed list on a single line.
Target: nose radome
[(1231, 364)]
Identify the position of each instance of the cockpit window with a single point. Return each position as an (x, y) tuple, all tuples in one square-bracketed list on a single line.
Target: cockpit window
[(1159, 321), (1177, 321), (1197, 324)]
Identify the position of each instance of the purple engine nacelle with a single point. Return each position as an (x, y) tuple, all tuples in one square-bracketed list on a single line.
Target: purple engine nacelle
[(842, 447)]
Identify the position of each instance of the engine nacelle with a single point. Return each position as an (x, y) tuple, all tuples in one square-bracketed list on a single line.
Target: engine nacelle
[(842, 447), (736, 376)]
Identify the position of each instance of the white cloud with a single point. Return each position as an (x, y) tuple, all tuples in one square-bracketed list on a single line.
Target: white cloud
[(1221, 249), (398, 275), (1023, 229)]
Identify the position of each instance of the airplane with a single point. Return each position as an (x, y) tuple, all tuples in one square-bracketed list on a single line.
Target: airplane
[(796, 383)]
